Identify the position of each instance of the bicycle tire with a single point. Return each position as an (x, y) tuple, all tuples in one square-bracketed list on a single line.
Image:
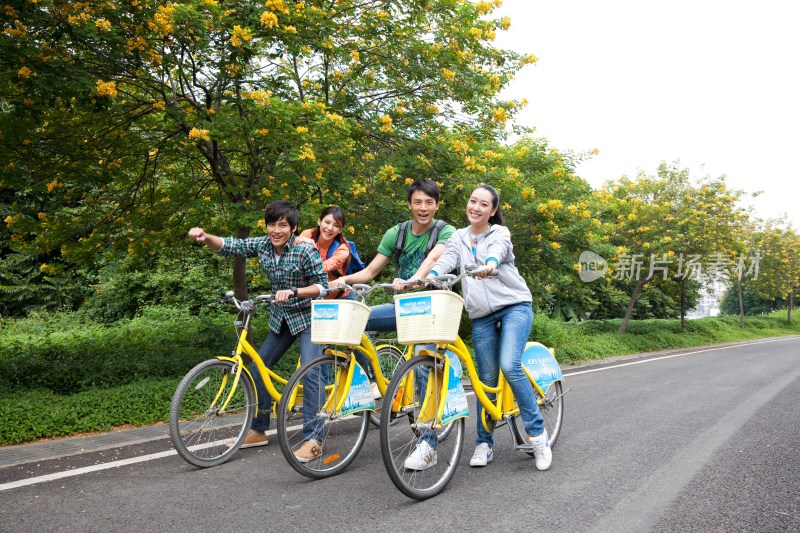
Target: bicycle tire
[(399, 434), (389, 357), (342, 437), (552, 409), (201, 434)]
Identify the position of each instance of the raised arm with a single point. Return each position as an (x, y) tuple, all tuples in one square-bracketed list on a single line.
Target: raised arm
[(212, 241)]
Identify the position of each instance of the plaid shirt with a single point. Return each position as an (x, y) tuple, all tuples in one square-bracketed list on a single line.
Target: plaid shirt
[(300, 265)]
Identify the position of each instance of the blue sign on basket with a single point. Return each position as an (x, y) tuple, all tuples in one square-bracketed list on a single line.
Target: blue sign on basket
[(325, 312), (420, 305)]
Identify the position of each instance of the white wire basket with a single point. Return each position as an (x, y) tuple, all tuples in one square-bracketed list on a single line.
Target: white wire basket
[(430, 316), (338, 321)]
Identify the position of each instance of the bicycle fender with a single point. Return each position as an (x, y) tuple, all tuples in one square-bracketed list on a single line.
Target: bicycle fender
[(539, 362)]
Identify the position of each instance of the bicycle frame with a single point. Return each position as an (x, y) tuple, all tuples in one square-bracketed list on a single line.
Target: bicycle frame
[(502, 406), (267, 375), (342, 383)]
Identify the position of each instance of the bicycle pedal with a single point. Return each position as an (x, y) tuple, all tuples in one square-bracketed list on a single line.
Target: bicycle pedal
[(523, 447)]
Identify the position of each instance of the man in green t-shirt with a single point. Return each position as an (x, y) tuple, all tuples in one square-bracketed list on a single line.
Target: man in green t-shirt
[(423, 201)]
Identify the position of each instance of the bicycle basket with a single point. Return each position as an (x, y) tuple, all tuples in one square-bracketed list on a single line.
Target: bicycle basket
[(338, 321), (430, 316)]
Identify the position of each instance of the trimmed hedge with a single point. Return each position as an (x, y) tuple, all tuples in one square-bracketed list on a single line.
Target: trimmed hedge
[(66, 357)]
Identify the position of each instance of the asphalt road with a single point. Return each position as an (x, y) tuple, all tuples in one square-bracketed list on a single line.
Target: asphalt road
[(697, 440)]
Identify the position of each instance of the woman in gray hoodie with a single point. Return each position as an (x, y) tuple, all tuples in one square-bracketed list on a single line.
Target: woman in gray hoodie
[(501, 313)]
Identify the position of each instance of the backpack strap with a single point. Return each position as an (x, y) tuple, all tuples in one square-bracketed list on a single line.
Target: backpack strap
[(332, 248), (399, 243), (434, 238), (401, 240)]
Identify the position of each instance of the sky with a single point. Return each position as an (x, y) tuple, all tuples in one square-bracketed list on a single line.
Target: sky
[(714, 85)]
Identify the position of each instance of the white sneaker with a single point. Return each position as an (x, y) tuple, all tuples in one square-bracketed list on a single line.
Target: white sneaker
[(422, 458), (483, 455), (376, 392), (541, 450)]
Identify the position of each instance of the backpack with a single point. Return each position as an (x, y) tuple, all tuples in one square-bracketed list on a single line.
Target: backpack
[(401, 240), (356, 264)]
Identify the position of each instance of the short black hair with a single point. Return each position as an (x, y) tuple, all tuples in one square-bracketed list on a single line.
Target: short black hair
[(429, 187), (282, 209)]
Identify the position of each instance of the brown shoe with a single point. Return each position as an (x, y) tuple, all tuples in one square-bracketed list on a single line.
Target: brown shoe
[(311, 449), (254, 438)]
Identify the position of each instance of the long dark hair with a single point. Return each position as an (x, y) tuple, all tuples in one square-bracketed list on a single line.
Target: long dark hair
[(338, 215), (497, 218)]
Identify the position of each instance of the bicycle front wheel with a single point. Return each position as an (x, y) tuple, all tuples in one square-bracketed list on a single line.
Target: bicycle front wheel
[(205, 431), (552, 409), (418, 463), (311, 409)]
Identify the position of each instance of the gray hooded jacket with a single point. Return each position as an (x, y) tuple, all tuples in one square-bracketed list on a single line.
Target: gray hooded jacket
[(485, 296)]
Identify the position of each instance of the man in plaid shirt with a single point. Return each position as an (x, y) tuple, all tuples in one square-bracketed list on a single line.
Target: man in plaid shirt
[(296, 276)]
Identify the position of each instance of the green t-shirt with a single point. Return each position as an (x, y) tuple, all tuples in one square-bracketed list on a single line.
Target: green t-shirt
[(413, 248)]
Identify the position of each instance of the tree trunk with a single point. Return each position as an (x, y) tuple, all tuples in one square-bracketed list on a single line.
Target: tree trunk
[(791, 304), (683, 305), (629, 311), (741, 302), (240, 269)]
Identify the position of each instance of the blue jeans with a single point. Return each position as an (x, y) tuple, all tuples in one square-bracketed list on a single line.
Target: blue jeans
[(382, 318), (499, 340), (271, 351)]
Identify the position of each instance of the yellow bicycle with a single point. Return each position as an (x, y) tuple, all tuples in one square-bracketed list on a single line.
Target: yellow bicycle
[(215, 402), (332, 398), (427, 394)]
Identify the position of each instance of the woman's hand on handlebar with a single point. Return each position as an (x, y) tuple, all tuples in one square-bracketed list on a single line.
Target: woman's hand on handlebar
[(486, 270)]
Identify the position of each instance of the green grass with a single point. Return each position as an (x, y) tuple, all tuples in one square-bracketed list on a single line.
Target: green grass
[(35, 413), (576, 342)]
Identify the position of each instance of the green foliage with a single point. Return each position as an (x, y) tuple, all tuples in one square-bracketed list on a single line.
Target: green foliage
[(599, 339), (752, 303), (39, 413), (67, 357)]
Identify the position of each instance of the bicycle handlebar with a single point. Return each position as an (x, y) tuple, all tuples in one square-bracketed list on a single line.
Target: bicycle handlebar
[(247, 305), (447, 281)]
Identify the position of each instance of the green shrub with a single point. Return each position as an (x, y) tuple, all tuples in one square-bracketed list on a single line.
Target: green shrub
[(162, 342)]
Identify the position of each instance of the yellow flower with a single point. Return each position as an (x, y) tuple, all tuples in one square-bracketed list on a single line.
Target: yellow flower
[(355, 55), (43, 267), (106, 88), (240, 36), (159, 105), (351, 230), (448, 74), (198, 134), (301, 129), (290, 29), (499, 115), (102, 24), (269, 20), (24, 72), (386, 123)]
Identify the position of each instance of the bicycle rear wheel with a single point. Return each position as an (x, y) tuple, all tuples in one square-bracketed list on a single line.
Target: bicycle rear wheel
[(389, 357), (201, 432), (403, 428), (308, 410), (552, 409)]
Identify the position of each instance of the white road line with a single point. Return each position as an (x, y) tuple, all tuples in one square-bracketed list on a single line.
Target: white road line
[(160, 455), (84, 470), (97, 468)]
